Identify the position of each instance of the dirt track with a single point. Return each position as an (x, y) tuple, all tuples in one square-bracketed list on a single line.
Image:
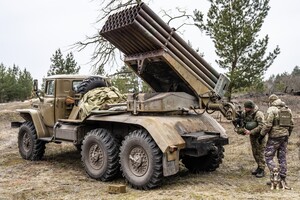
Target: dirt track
[(60, 174)]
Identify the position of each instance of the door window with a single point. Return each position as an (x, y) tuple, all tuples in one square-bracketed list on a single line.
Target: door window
[(50, 87), (76, 84)]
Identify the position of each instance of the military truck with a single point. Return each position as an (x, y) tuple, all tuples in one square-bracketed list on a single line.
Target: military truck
[(156, 131)]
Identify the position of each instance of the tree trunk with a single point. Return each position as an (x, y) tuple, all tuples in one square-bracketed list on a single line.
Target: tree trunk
[(229, 92)]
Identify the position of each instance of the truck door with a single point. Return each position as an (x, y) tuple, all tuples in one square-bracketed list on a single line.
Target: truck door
[(63, 89), (47, 107)]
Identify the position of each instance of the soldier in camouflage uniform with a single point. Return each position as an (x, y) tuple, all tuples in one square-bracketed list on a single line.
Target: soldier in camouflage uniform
[(278, 136), (253, 120)]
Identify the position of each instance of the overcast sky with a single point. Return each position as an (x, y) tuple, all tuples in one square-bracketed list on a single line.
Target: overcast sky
[(31, 31)]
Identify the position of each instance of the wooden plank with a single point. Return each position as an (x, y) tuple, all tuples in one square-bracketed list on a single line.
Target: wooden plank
[(74, 113), (116, 189)]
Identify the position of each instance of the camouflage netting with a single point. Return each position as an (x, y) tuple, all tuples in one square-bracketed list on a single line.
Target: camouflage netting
[(98, 98)]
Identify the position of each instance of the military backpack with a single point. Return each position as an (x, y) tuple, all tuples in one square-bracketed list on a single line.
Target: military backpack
[(285, 117)]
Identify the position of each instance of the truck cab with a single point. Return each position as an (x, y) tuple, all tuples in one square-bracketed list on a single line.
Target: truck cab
[(53, 104), (57, 100)]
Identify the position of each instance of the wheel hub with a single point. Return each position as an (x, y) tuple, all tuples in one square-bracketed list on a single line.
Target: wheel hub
[(96, 156), (138, 161), (27, 143)]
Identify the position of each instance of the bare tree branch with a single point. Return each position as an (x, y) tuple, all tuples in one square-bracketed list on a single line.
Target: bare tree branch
[(104, 52), (183, 14)]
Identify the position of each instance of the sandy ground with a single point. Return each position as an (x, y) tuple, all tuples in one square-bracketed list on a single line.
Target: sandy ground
[(60, 174)]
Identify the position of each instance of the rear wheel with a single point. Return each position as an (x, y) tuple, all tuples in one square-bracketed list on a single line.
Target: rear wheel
[(100, 155), (209, 162), (141, 160), (30, 148)]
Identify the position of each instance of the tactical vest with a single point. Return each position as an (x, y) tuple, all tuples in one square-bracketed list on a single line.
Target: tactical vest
[(285, 119)]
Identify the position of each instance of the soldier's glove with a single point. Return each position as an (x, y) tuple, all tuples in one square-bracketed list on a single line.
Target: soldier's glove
[(240, 131), (260, 139)]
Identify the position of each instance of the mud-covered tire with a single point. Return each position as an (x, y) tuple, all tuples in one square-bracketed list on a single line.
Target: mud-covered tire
[(91, 83), (208, 163), (100, 155), (30, 147), (141, 160)]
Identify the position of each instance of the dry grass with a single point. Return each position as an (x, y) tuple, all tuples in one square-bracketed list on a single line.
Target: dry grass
[(60, 174)]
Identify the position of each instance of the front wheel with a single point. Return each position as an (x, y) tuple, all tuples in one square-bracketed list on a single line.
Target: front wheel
[(100, 155), (30, 148), (141, 160)]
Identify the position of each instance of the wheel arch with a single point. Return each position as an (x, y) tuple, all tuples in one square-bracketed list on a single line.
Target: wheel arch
[(167, 131), (36, 118), (162, 130)]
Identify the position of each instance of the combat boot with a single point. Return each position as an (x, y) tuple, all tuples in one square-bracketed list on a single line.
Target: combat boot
[(260, 173), (254, 172)]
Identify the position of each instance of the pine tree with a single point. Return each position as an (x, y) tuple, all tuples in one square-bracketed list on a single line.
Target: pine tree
[(11, 86), (126, 80), (71, 65), (25, 83), (2, 82), (59, 65), (296, 71), (233, 25), (14, 84)]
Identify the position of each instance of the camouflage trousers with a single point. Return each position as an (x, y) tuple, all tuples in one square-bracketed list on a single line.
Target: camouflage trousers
[(278, 145), (258, 151)]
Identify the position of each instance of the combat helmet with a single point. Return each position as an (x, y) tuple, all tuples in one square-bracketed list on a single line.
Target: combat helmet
[(273, 97), (249, 104)]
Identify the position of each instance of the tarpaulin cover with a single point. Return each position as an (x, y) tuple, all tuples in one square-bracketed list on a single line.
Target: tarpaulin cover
[(98, 98)]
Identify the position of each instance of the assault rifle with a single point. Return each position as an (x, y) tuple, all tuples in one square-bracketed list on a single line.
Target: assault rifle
[(238, 122)]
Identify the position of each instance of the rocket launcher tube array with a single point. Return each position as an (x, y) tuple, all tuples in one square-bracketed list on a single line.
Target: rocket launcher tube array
[(138, 30)]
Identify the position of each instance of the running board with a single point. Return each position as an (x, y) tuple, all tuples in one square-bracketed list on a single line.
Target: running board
[(46, 139)]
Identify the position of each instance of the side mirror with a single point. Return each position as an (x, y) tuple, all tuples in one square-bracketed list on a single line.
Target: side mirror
[(35, 85), (36, 89)]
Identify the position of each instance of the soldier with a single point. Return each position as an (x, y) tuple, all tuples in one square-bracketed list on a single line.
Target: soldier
[(279, 125), (253, 120)]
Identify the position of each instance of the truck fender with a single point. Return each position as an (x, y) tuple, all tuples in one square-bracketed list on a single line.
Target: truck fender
[(167, 131), (161, 129), (36, 117)]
